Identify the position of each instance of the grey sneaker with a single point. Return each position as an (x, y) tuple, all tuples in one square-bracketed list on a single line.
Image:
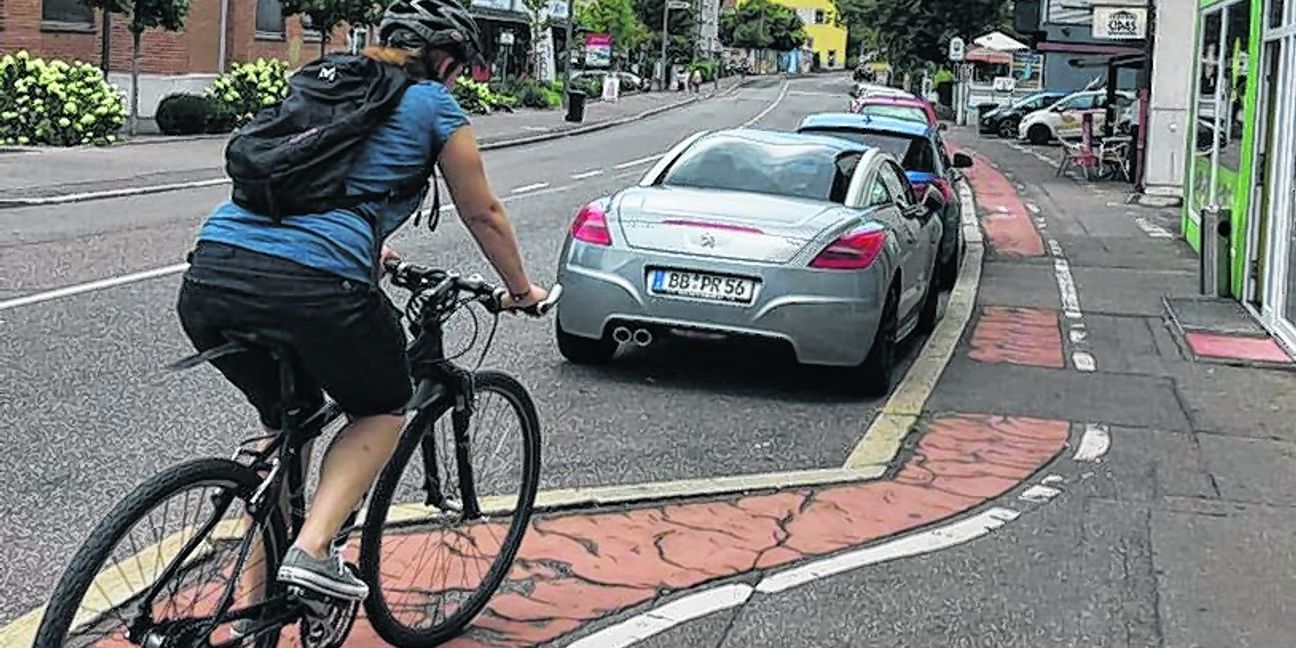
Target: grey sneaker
[(328, 576)]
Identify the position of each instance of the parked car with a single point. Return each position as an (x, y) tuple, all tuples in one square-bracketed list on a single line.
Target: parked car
[(926, 161), (862, 89), (629, 80), (1062, 119), (1003, 121), (808, 242), (908, 108)]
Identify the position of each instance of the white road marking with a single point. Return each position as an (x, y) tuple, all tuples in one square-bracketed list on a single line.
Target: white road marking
[(1066, 285), (531, 187), (1039, 493), (942, 537), (92, 286), (1152, 229), (662, 618), (1094, 444), (805, 93), (111, 193), (1053, 479), (587, 174), (1078, 334), (1055, 248), (1034, 209), (1084, 361), (770, 108), (635, 163)]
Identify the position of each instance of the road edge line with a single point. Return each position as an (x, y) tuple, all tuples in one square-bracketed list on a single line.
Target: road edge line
[(881, 442)]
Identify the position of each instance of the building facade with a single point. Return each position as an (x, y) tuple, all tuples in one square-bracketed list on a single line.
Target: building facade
[(1074, 53), (827, 38), (1241, 158)]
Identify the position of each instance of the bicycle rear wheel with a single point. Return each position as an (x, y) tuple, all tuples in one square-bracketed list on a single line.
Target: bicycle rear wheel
[(179, 534), (431, 569)]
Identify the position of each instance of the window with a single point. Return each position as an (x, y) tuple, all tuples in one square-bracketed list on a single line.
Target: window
[(66, 13), (309, 33), (896, 183), (1276, 15), (907, 113), (878, 195), (819, 17), (915, 153), (269, 18), (737, 163)]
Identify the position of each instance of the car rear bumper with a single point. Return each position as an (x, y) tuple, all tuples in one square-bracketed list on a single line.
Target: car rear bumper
[(827, 317)]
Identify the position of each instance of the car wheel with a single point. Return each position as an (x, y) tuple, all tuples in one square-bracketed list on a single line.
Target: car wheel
[(930, 314), (582, 350), (875, 372), (1039, 135), (949, 268), (1008, 129)]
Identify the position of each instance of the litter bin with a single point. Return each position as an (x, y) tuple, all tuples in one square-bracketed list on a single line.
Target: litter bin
[(575, 106)]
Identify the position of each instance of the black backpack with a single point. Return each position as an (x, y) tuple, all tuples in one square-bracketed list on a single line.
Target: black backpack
[(294, 158)]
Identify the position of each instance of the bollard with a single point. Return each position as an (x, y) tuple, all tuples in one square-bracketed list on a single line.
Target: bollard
[(1215, 231)]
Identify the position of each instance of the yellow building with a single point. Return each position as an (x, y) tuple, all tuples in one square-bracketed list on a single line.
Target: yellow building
[(827, 38)]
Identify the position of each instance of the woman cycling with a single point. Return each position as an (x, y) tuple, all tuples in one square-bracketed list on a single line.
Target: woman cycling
[(310, 282)]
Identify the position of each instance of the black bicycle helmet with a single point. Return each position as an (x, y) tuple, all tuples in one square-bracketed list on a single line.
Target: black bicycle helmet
[(438, 24)]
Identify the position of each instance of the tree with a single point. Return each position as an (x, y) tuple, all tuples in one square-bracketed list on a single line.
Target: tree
[(615, 17), (760, 24), (145, 15), (681, 28), (912, 33), (325, 15), (106, 9)]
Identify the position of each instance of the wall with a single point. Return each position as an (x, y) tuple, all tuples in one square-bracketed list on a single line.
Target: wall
[(1172, 86), (826, 36)]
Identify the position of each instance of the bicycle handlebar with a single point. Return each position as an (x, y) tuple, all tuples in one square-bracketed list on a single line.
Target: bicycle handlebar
[(415, 277)]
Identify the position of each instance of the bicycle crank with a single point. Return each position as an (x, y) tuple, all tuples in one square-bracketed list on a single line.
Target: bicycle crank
[(325, 621)]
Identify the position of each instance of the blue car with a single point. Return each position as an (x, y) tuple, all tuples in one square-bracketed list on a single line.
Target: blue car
[(926, 161)]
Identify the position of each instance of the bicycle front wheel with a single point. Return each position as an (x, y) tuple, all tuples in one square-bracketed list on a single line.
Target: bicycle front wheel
[(432, 568), (158, 567)]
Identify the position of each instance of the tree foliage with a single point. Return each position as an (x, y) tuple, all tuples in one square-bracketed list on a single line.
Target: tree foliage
[(761, 24), (615, 17), (681, 28), (911, 33), (326, 15), (150, 14)]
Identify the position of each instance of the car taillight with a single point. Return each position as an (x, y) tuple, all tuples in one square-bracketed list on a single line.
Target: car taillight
[(591, 225), (853, 251)]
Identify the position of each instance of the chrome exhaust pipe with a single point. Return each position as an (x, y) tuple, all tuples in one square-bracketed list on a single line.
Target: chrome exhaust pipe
[(643, 337), (622, 335)]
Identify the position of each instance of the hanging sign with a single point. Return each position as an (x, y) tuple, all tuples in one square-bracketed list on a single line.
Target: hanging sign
[(1119, 23)]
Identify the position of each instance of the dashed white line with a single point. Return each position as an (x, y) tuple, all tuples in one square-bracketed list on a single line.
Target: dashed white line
[(1084, 361), (1034, 209), (1066, 287), (92, 286), (1094, 444), (923, 542), (635, 163), (1055, 248), (530, 187), (1039, 493), (587, 174)]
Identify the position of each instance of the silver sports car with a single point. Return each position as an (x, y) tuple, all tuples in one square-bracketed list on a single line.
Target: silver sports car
[(811, 241)]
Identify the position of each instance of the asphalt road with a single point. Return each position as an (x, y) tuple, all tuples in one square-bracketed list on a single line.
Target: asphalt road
[(86, 412)]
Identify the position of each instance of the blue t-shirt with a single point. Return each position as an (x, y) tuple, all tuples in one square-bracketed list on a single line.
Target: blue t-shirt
[(339, 241)]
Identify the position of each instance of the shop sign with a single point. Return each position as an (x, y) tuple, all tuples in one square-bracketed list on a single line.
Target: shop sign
[(1119, 23), (598, 50)]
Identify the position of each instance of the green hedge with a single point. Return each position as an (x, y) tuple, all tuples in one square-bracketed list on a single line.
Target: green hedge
[(56, 103), (478, 98), (249, 88), (187, 114)]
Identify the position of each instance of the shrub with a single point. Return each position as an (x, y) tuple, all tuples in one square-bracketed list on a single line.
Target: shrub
[(707, 68), (187, 114), (477, 97), (56, 103), (249, 88)]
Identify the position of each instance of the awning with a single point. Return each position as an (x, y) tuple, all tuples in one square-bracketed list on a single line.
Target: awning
[(1001, 42), (987, 55)]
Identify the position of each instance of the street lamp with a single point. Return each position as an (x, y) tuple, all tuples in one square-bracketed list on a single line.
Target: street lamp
[(666, 9)]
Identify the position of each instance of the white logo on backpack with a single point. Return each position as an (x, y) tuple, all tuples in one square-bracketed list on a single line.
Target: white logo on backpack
[(328, 73)]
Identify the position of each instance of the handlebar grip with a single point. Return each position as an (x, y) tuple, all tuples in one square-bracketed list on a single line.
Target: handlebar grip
[(542, 308)]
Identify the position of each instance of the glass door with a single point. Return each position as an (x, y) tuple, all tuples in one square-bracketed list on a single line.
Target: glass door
[(1279, 310), (1206, 114)]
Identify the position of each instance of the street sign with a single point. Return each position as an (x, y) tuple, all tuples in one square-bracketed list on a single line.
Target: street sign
[(957, 50), (676, 5), (1119, 22)]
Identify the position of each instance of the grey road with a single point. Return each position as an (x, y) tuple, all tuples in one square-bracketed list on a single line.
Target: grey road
[(86, 412)]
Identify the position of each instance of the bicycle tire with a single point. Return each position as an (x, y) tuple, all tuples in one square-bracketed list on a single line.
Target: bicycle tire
[(89, 559), (380, 614)]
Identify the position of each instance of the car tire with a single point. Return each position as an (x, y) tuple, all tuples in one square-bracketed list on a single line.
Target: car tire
[(949, 268), (930, 313), (876, 371), (1008, 129), (1039, 135), (582, 350)]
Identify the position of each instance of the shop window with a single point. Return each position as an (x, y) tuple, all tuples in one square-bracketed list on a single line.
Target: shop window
[(1205, 135), (1232, 99), (269, 19), (66, 13), (1277, 11)]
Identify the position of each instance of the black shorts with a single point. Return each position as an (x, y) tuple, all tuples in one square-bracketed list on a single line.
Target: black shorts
[(345, 334)]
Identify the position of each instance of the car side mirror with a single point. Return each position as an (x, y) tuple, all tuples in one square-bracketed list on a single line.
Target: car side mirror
[(962, 161), (932, 200)]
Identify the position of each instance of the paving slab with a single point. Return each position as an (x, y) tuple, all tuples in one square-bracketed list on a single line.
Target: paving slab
[(1251, 470), (1018, 284), (1129, 291)]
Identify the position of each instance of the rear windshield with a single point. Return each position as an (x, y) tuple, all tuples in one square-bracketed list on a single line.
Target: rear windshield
[(907, 113), (734, 163), (914, 153)]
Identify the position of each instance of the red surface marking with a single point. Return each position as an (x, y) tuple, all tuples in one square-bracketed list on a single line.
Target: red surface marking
[(1010, 229), (1237, 347), (577, 568), (1021, 336)]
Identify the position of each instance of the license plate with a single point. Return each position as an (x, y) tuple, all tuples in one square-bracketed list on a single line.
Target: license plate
[(702, 285)]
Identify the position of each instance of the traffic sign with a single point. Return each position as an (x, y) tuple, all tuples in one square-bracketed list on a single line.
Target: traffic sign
[(957, 50), (676, 5)]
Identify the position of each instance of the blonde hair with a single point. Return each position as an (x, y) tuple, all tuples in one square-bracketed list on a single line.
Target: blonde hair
[(414, 62)]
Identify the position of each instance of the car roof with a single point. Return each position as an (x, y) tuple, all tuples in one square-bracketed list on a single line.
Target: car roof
[(870, 122), (782, 137), (894, 100)]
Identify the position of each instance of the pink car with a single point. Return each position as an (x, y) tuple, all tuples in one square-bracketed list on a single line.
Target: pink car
[(906, 108)]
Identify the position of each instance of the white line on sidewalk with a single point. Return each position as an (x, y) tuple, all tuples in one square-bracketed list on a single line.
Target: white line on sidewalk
[(1094, 444), (923, 542), (1067, 288), (92, 286), (1152, 229), (587, 174), (112, 193), (770, 108), (531, 187), (665, 617), (635, 163)]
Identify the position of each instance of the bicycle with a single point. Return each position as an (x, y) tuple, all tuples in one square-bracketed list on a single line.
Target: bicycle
[(219, 569)]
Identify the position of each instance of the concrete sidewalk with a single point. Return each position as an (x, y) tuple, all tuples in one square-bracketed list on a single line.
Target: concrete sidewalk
[(153, 161)]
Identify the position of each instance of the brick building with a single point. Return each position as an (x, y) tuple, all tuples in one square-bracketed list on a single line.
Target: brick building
[(185, 61)]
